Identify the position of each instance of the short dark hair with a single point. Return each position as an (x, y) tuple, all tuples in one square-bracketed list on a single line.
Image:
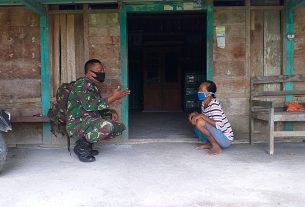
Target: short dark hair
[(211, 87), (91, 62)]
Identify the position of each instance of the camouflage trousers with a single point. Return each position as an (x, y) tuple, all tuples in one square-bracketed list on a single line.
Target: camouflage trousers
[(96, 129)]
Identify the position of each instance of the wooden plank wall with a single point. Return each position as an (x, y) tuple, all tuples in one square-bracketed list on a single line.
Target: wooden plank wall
[(299, 55), (19, 54), (67, 53), (67, 46), (20, 70), (230, 71), (103, 43)]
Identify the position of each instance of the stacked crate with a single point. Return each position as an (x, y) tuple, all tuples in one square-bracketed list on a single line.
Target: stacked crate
[(191, 84)]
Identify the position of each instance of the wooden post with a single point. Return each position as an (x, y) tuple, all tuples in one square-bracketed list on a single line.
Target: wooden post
[(45, 76), (210, 39), (247, 32), (289, 52), (124, 66), (271, 131)]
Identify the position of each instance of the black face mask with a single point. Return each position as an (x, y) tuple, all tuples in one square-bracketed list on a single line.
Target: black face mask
[(100, 76)]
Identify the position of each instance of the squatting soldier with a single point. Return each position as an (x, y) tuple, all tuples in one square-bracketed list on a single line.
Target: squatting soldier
[(89, 118)]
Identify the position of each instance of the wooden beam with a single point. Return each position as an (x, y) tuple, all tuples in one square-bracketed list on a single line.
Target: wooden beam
[(248, 38), (289, 56), (124, 67), (10, 2), (293, 4), (76, 1), (267, 7), (34, 6), (289, 50), (45, 76), (210, 39)]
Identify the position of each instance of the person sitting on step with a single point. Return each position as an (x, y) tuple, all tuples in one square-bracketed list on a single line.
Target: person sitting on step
[(211, 125)]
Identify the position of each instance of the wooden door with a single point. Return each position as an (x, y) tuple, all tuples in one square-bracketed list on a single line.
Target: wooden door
[(162, 79), (67, 48)]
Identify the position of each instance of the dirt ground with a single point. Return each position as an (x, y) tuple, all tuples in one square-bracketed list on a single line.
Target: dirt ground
[(157, 174)]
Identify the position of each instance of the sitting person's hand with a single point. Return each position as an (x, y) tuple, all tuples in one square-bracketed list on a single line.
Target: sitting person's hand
[(115, 116), (198, 116), (192, 115)]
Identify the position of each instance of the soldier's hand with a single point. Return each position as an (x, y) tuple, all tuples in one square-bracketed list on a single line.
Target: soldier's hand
[(117, 94)]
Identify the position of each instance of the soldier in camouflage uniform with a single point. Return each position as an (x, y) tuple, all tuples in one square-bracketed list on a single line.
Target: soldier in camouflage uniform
[(89, 118)]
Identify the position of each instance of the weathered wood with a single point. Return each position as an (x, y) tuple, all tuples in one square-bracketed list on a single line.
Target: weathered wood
[(272, 46), (289, 116), (86, 31), (274, 111), (289, 134), (23, 100), (56, 53), (251, 129), (260, 116), (299, 52), (22, 109), (271, 131), (70, 49), (278, 79), (257, 40), (63, 49), (29, 119), (260, 8), (79, 46), (57, 12), (279, 93), (279, 116), (265, 104), (248, 38), (28, 88)]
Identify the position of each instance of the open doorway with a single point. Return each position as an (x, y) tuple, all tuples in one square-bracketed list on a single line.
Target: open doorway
[(166, 63)]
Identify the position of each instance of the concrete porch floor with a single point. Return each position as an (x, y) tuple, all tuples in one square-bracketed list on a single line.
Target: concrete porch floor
[(158, 174)]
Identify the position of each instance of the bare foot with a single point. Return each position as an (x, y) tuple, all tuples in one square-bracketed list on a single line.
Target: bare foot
[(203, 146), (215, 150)]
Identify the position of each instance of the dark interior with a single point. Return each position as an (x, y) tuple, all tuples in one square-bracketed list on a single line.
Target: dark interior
[(167, 60)]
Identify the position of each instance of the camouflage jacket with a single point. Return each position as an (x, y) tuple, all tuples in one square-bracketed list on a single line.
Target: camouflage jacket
[(84, 102)]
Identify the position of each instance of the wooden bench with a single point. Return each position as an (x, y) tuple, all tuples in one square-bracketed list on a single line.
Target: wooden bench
[(274, 109), (29, 119)]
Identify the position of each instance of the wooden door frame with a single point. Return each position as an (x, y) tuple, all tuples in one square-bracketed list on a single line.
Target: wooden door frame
[(176, 6)]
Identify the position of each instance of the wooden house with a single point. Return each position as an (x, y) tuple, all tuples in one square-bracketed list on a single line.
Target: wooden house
[(153, 47)]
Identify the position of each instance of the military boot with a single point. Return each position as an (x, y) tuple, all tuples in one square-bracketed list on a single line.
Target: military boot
[(93, 152), (83, 150)]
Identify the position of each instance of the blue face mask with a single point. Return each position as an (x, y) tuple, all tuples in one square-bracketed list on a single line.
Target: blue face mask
[(202, 96)]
